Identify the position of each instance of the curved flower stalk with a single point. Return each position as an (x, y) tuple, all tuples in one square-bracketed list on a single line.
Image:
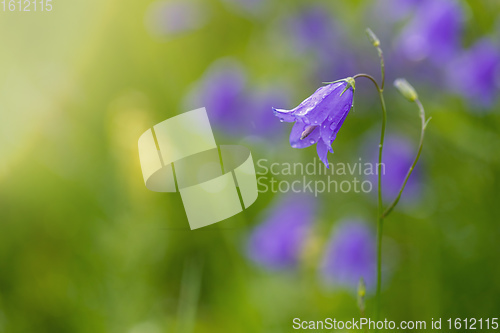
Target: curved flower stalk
[(319, 118)]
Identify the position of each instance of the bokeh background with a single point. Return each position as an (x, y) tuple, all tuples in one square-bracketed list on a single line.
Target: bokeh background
[(85, 247)]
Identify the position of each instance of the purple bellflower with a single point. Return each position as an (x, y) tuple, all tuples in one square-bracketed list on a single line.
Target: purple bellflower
[(319, 117), (476, 73), (350, 255), (278, 241)]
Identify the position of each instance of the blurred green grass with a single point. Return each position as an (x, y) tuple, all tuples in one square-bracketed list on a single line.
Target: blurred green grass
[(84, 247)]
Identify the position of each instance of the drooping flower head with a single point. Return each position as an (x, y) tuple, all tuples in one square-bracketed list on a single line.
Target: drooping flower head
[(319, 118), (476, 73), (278, 241), (350, 255)]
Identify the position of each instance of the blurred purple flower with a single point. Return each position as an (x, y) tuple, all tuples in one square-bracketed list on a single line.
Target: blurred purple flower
[(311, 29), (222, 91), (398, 155), (319, 117), (350, 255), (232, 105), (476, 73), (278, 241), (434, 32), (314, 31), (248, 7), (395, 10), (260, 121), (164, 18)]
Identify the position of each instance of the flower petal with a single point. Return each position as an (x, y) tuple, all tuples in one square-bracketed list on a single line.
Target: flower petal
[(284, 115), (309, 107), (331, 126), (322, 149), (297, 130)]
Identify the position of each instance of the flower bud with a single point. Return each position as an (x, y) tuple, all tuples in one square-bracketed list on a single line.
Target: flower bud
[(361, 294), (406, 89), (372, 37)]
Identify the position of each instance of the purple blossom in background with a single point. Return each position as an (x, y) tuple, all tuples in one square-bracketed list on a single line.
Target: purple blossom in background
[(434, 32), (260, 121), (278, 241), (222, 91), (350, 255), (232, 105), (248, 7), (311, 29), (165, 18), (476, 73), (319, 117), (395, 10), (398, 155)]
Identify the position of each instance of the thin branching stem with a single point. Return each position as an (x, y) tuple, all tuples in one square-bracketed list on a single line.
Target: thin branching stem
[(412, 167)]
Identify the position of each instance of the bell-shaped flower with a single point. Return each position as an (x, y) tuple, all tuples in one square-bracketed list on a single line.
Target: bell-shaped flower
[(319, 118)]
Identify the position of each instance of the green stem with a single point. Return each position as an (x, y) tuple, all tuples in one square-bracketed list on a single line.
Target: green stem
[(382, 67), (422, 133), (380, 220)]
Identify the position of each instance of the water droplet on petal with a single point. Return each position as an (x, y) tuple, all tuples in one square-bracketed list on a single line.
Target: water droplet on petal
[(312, 141), (330, 118), (281, 120)]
